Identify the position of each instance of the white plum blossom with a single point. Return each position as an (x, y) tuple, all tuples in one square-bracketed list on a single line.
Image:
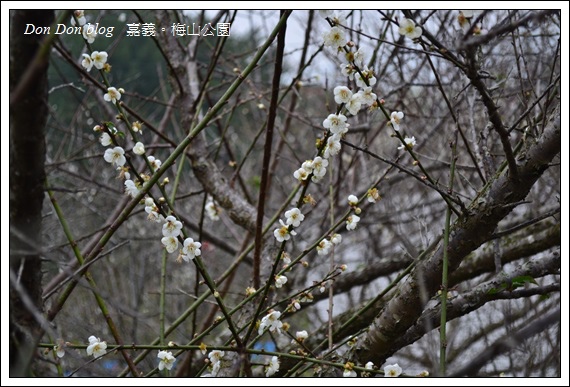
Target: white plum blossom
[(131, 188), (282, 233), (335, 16), (166, 360), (137, 127), (172, 227), (324, 247), (105, 139), (87, 62), (89, 32), (301, 335), (352, 200), (319, 168), (191, 249), (392, 371), (112, 95), (99, 59), (332, 147), (115, 156), (395, 119), (366, 79), (408, 28), (294, 217), (352, 221), (336, 123), (342, 94), (369, 366), (334, 37), (354, 105), (348, 69), (280, 280), (301, 174), (80, 15), (410, 142), (215, 357), (367, 97), (373, 195), (360, 56), (336, 239), (171, 243), (152, 210), (349, 373), (212, 210), (154, 163), (272, 366), (139, 148), (96, 347), (272, 322)]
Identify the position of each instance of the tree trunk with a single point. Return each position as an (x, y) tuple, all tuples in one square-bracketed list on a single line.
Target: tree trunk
[(28, 115)]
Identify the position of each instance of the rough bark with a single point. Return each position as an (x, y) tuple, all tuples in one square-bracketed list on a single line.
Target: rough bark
[(469, 231), (28, 115)]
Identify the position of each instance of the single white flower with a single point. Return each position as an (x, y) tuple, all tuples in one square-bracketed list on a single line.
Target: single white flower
[(131, 188), (115, 156), (409, 141), (80, 15), (105, 139), (352, 221), (301, 335), (172, 227), (212, 210), (280, 280), (87, 62), (154, 163), (342, 94), (96, 347), (99, 59), (137, 127), (373, 195), (166, 360), (367, 79), (392, 371), (334, 38), (408, 28), (360, 56), (282, 233), (191, 249), (59, 349), (369, 366), (395, 119), (139, 148), (349, 373), (272, 322), (336, 123), (353, 106), (352, 200), (324, 247), (216, 356), (272, 367), (336, 239), (171, 243), (112, 95), (333, 146), (153, 214), (89, 32), (367, 97), (319, 167), (301, 174), (294, 217)]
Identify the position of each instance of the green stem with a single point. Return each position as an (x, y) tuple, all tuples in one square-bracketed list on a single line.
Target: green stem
[(444, 279)]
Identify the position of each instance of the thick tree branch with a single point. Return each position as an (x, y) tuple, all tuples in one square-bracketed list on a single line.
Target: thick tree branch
[(468, 233)]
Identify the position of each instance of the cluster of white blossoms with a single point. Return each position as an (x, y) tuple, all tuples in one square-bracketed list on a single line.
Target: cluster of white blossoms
[(166, 360), (115, 155)]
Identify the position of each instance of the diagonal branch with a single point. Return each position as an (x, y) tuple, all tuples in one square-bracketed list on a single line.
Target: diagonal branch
[(468, 233)]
